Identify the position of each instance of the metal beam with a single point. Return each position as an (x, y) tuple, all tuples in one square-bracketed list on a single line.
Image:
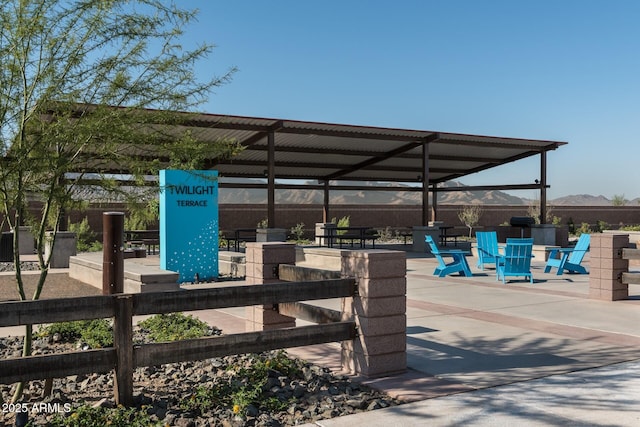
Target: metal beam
[(271, 180)]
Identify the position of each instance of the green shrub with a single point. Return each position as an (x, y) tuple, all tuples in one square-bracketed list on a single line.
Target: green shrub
[(246, 385), (98, 333), (585, 228), (88, 416), (174, 327), (630, 228), (342, 222), (386, 234), (86, 240), (298, 232)]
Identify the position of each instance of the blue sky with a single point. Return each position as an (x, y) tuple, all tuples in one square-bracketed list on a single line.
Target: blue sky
[(565, 70)]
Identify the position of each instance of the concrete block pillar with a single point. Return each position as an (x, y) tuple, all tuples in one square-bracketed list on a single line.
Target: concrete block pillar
[(607, 266), (322, 232), (543, 234), (379, 311), (418, 234), (26, 241), (60, 248), (262, 259), (271, 235)]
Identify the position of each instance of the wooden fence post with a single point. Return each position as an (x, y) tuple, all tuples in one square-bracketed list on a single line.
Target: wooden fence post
[(123, 343), (379, 310), (606, 267), (112, 253)]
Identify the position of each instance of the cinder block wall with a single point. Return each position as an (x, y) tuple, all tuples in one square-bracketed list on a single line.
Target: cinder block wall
[(246, 216)]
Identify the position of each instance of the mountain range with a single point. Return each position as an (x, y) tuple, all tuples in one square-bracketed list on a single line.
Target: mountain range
[(396, 196)]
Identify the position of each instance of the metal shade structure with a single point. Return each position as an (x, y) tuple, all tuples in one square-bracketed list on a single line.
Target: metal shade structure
[(333, 153), (327, 156)]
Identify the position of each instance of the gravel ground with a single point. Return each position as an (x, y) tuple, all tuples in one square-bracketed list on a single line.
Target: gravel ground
[(312, 395)]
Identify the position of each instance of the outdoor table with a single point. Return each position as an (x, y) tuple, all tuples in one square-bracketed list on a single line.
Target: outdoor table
[(238, 237), (443, 234), (149, 238), (350, 233)]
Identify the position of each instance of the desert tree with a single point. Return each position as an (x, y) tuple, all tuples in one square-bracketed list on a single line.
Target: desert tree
[(618, 200), (89, 93), (533, 211), (470, 216)]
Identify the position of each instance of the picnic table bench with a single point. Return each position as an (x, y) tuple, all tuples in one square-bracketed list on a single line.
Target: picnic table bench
[(405, 233), (447, 236), (237, 236), (348, 234), (148, 238)]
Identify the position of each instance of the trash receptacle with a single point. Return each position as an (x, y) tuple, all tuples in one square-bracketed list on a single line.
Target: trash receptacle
[(6, 246)]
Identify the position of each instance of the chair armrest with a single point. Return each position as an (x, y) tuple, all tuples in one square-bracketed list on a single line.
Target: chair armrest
[(454, 251)]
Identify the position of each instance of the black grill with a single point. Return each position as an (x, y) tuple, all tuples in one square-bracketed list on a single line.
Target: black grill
[(6, 247), (522, 222)]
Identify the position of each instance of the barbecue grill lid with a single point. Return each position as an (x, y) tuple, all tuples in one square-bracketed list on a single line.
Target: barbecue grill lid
[(522, 221)]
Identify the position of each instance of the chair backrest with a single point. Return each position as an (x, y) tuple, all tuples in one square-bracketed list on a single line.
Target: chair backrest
[(517, 255), (487, 243), (432, 244), (582, 246)]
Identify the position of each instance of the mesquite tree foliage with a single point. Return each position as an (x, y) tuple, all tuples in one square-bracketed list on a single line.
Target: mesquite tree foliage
[(89, 92)]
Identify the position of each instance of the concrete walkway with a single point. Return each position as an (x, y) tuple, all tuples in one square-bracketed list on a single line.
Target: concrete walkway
[(481, 353)]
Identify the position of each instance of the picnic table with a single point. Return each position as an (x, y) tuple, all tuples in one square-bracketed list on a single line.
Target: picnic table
[(148, 238), (349, 234), (237, 236), (446, 236)]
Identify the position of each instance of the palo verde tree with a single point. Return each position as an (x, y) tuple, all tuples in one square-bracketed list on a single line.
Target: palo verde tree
[(88, 91), (470, 216)]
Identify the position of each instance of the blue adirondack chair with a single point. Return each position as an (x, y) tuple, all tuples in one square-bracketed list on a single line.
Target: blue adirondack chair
[(516, 260), (488, 250), (569, 258), (458, 265)]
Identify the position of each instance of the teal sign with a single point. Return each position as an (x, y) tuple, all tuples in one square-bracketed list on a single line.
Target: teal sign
[(189, 224)]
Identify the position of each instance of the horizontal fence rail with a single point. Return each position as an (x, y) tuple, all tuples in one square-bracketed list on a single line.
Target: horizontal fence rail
[(630, 278), (16, 313), (124, 357), (249, 342)]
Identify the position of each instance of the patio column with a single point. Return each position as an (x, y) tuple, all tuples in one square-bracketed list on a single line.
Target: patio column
[(379, 310), (425, 184), (271, 180), (606, 267), (262, 261), (325, 204), (543, 187)]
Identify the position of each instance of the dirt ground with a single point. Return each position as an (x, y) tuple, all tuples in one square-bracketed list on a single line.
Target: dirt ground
[(57, 285)]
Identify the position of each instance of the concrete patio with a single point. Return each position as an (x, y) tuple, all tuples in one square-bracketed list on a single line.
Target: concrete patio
[(466, 334), (468, 338)]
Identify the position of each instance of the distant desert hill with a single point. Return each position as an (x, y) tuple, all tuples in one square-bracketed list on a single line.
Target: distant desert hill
[(581, 200), (395, 196)]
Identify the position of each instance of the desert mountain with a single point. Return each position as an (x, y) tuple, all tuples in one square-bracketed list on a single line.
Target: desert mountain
[(588, 200), (396, 196)]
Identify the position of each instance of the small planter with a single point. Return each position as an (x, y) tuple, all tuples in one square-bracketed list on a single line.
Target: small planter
[(64, 247), (271, 235)]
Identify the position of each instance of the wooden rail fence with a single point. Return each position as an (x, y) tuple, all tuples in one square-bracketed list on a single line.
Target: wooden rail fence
[(124, 357), (626, 277)]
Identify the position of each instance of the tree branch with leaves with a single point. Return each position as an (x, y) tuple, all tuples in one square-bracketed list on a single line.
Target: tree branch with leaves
[(89, 89), (470, 216)]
